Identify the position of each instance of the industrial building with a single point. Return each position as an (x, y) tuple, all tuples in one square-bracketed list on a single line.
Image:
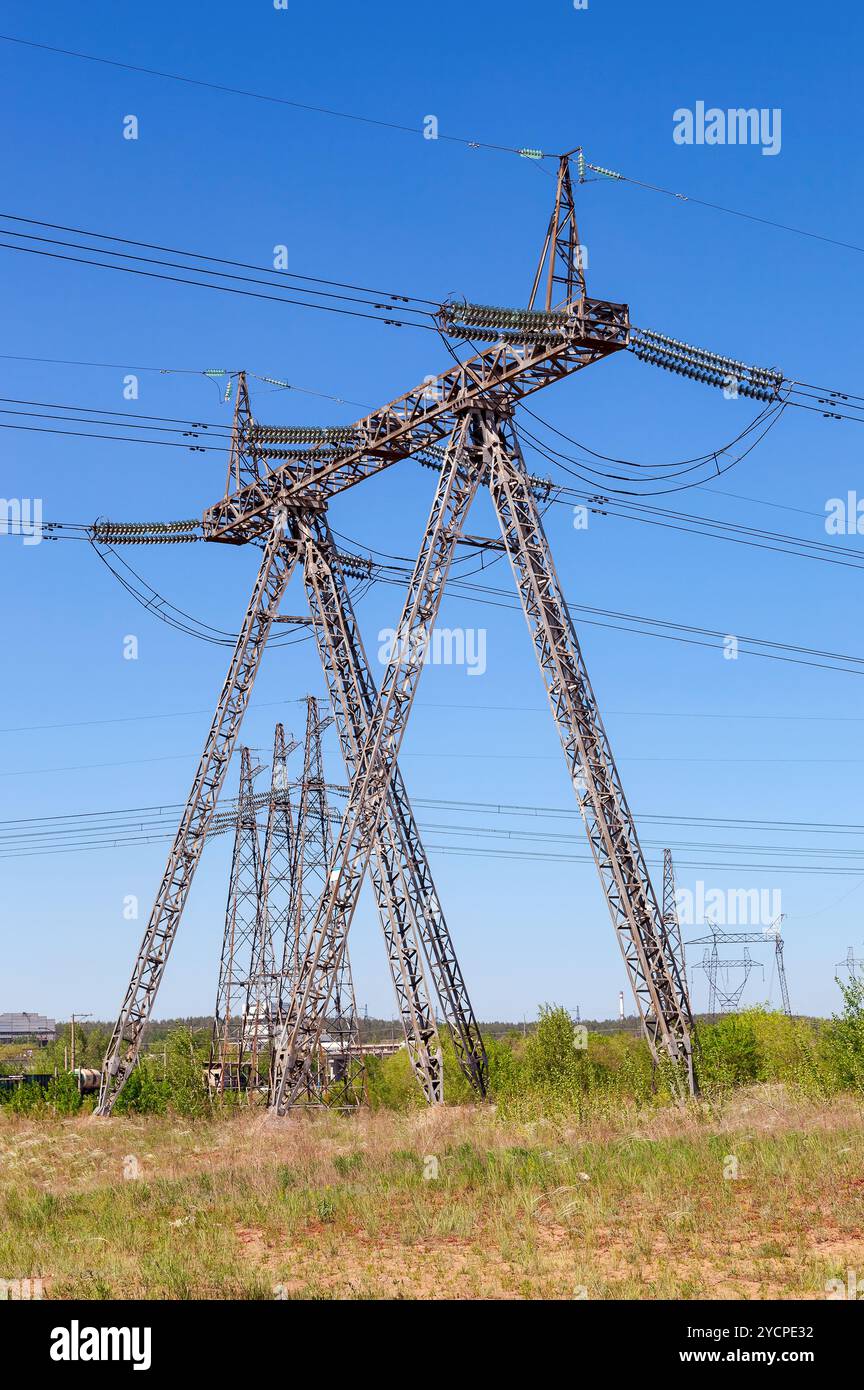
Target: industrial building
[(26, 1027)]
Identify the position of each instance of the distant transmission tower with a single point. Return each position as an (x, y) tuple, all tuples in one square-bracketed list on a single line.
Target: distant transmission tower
[(276, 903), (278, 870), (229, 1057), (337, 1061), (723, 995), (850, 964)]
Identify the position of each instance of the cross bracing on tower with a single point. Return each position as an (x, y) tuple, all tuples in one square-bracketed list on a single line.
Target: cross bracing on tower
[(276, 485)]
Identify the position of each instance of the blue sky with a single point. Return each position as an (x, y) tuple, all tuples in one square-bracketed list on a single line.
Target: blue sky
[(695, 734)]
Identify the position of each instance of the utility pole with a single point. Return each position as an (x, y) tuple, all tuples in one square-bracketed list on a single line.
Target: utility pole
[(72, 1040)]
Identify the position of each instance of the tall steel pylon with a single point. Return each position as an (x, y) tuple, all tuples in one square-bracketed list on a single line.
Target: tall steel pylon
[(275, 906), (233, 1044), (160, 933), (314, 843), (727, 997), (284, 473), (279, 871), (484, 448)]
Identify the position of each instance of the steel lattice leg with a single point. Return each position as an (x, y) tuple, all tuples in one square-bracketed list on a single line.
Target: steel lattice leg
[(457, 485), (276, 565), (407, 901), (660, 996), (315, 856)]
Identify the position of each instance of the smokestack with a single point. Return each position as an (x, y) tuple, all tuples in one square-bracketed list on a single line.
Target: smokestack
[(621, 1005)]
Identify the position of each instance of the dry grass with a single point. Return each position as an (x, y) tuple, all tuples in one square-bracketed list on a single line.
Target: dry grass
[(326, 1206)]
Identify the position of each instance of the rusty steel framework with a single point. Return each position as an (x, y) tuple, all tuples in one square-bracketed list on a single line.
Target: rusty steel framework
[(280, 480)]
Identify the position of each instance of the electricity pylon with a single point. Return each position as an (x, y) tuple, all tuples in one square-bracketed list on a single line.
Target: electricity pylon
[(230, 1040), (279, 874), (484, 448), (471, 405), (712, 962), (314, 845), (728, 997), (850, 964)]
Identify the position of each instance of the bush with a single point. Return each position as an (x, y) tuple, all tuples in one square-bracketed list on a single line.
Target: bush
[(182, 1088), (63, 1095), (843, 1039), (26, 1099), (143, 1094), (391, 1082), (728, 1053)]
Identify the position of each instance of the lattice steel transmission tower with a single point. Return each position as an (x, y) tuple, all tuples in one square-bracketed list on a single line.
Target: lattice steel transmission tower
[(719, 989), (279, 873), (233, 1045), (850, 964), (712, 962), (336, 1064), (280, 481)]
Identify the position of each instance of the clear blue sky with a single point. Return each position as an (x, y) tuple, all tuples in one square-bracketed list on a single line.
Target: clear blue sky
[(694, 734)]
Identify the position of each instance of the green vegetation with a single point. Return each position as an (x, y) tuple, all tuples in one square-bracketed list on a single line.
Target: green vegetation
[(553, 1070), (578, 1179), (756, 1196)]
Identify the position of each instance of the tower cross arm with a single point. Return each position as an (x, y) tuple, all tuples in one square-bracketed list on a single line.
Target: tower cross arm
[(497, 377)]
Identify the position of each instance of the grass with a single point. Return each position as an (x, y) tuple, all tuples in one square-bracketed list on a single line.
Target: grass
[(624, 1204)]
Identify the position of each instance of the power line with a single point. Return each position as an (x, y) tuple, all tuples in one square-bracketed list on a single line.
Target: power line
[(262, 96), (202, 256), (207, 285), (469, 143), (481, 708), (718, 207), (177, 371), (135, 825), (393, 573)]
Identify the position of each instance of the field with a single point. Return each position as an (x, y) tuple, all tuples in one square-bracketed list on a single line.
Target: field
[(462, 1202)]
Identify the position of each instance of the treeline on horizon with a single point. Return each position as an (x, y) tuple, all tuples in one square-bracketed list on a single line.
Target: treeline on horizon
[(550, 1068)]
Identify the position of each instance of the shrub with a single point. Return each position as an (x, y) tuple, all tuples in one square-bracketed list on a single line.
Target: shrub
[(63, 1095), (728, 1053), (843, 1038)]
